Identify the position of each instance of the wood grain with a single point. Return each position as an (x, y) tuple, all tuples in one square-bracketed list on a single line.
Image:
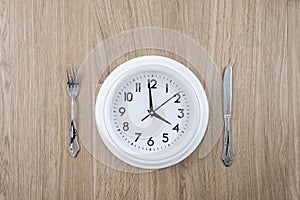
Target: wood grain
[(40, 39)]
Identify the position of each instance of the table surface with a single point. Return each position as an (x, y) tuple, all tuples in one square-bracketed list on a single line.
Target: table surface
[(40, 39)]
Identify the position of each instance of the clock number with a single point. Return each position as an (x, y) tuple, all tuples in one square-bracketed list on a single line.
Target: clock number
[(165, 137), (122, 111), (125, 126), (138, 136), (152, 81), (150, 142), (128, 96), (176, 128), (167, 88), (178, 98), (137, 87), (181, 113)]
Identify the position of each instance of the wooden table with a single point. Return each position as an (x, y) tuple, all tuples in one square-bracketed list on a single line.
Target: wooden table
[(40, 39)]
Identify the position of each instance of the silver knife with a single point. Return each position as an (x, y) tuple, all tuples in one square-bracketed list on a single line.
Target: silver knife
[(227, 84)]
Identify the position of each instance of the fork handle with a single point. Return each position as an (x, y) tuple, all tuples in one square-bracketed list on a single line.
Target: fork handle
[(227, 154), (74, 146)]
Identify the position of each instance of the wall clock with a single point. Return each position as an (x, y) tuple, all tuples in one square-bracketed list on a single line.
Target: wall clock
[(151, 112)]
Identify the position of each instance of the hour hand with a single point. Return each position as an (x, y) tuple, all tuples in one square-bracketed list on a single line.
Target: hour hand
[(152, 113), (159, 117)]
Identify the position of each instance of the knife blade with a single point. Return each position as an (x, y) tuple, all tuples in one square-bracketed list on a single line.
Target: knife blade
[(227, 95)]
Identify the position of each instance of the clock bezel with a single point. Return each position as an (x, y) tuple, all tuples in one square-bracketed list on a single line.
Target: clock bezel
[(102, 113)]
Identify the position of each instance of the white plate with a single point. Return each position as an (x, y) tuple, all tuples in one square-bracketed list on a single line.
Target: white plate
[(160, 158)]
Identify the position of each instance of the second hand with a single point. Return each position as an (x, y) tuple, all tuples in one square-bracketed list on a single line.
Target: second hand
[(160, 106)]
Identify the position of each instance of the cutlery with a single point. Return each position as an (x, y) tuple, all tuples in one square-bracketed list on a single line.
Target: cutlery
[(227, 95), (73, 89)]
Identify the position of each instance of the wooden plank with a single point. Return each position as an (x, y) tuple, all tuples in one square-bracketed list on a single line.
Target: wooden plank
[(40, 39), (292, 155)]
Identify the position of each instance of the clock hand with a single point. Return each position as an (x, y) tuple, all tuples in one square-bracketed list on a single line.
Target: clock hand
[(150, 97), (153, 111), (165, 102), (145, 117), (159, 117), (150, 102)]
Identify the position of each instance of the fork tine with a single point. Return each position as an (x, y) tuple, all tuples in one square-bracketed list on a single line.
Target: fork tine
[(76, 77), (72, 74), (68, 78)]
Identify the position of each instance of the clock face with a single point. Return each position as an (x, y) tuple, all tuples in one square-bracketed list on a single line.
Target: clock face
[(151, 112)]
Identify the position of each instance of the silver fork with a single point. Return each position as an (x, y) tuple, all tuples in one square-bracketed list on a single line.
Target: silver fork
[(73, 89)]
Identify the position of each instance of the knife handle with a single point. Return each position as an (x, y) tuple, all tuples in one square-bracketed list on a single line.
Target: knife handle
[(227, 154)]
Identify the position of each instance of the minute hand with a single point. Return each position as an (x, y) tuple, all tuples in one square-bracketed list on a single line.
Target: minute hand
[(165, 102), (151, 112), (150, 97)]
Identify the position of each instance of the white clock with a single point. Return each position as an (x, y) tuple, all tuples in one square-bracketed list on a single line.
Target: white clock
[(151, 112)]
